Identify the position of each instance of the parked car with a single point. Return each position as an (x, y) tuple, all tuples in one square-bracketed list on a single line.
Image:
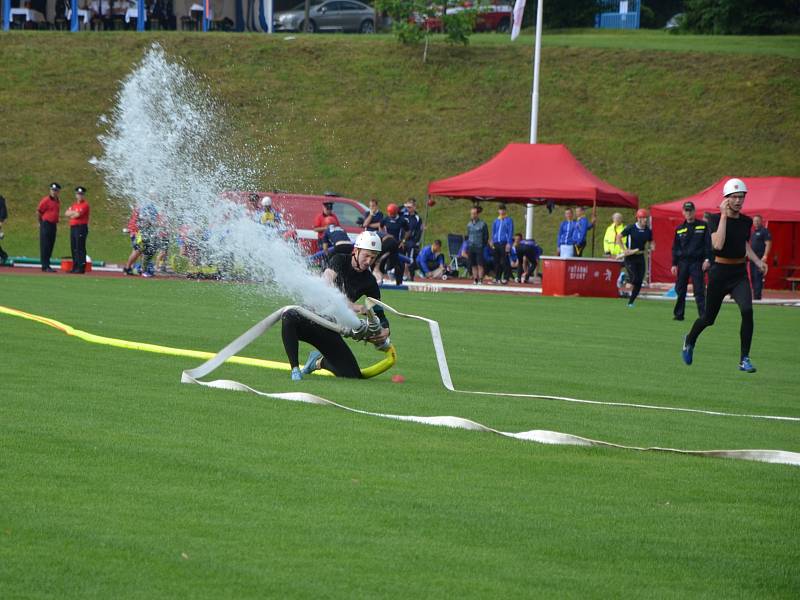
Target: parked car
[(331, 15), (298, 212), (494, 17)]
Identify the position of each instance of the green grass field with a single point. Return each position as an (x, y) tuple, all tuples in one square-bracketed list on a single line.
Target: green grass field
[(120, 482), (659, 115)]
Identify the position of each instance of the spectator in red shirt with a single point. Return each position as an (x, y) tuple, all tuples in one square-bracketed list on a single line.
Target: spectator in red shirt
[(78, 214), (319, 221), (48, 214)]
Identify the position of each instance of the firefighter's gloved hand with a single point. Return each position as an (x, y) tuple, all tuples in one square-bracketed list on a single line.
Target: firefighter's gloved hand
[(361, 332)]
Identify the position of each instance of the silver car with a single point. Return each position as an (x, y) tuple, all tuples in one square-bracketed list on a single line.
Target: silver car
[(332, 15)]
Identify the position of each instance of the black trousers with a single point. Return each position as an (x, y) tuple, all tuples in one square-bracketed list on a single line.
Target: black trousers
[(502, 265), (3, 255), (634, 264), (757, 279), (524, 252), (690, 269), (77, 244), (336, 354), (47, 239), (724, 280)]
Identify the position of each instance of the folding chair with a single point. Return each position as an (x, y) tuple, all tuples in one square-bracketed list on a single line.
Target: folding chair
[(454, 242)]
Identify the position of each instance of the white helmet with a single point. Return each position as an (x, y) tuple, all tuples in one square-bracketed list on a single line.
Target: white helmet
[(732, 186), (266, 201), (368, 240)]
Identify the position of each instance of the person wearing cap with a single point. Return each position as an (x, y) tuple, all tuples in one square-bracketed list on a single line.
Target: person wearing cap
[(3, 219), (691, 256), (761, 243), (48, 213), (501, 241), (730, 243), (582, 226), (636, 239), (78, 215), (319, 221)]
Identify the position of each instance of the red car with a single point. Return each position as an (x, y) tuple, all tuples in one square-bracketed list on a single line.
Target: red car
[(495, 17), (298, 212)]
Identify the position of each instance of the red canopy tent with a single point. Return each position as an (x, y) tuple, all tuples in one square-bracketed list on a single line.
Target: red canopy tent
[(533, 173), (776, 199)]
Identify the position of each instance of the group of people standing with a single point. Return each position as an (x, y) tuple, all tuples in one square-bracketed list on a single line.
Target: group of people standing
[(49, 215)]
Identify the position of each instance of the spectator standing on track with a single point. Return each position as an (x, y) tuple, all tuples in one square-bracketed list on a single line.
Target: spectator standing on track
[(730, 235), (373, 217), (48, 214), (610, 245), (691, 256), (761, 243), (78, 215), (565, 241), (431, 261), (319, 221), (3, 219), (636, 239), (582, 227), (501, 239), (413, 235), (477, 238)]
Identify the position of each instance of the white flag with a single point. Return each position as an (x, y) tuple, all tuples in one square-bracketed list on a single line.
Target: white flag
[(519, 8)]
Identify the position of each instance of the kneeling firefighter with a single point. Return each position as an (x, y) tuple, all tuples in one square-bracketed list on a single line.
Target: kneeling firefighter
[(352, 274)]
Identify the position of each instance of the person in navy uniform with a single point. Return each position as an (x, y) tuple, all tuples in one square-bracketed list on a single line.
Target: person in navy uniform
[(635, 239), (335, 239), (3, 218), (730, 235), (371, 221), (395, 227), (761, 243), (691, 256), (413, 235)]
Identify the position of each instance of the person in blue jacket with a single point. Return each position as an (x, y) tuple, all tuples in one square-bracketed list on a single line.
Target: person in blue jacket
[(431, 261), (582, 227), (501, 240)]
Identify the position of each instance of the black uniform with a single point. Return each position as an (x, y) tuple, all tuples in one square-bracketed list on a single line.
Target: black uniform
[(690, 247), (411, 244), (3, 217), (724, 279), (636, 240), (337, 356), (758, 242)]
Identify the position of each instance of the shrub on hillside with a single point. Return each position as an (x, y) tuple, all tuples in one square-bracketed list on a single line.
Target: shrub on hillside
[(741, 17)]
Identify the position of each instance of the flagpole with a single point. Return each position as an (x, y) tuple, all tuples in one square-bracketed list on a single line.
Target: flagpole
[(534, 105)]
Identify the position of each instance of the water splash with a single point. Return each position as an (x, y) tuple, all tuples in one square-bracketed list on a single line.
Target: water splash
[(166, 149)]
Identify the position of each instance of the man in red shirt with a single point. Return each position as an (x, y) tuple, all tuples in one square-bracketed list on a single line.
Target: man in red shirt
[(78, 214), (319, 221), (48, 214)]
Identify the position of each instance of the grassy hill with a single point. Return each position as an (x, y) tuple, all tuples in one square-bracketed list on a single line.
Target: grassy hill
[(365, 117)]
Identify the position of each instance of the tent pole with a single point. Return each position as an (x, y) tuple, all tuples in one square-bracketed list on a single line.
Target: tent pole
[(534, 106), (6, 14)]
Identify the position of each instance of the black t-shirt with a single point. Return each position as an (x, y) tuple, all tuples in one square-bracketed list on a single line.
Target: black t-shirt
[(737, 235), (758, 240), (355, 284), (637, 238)]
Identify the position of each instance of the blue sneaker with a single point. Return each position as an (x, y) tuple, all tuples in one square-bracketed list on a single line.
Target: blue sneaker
[(311, 363), (296, 374), (688, 351), (630, 304), (746, 365)]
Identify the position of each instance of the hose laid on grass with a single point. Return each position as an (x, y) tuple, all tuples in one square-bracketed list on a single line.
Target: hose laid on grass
[(540, 436), (536, 435)]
